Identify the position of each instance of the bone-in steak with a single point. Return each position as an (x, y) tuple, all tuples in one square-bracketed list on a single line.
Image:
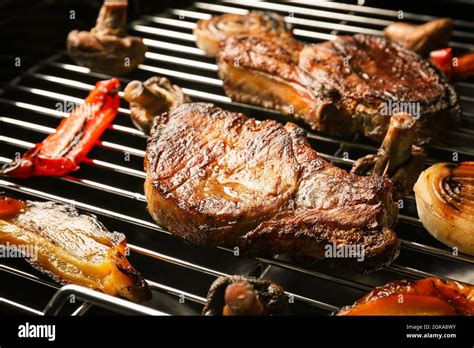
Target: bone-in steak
[(348, 85), (220, 178)]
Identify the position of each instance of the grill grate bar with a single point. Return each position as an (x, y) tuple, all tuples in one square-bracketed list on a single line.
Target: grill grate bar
[(181, 61), (176, 292), (416, 273), (28, 276), (19, 307), (215, 273), (179, 23), (49, 130), (174, 47), (436, 251), (93, 162), (164, 32), (100, 299), (81, 310), (185, 76)]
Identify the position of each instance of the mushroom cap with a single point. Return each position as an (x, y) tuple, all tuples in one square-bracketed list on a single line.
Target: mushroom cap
[(106, 54)]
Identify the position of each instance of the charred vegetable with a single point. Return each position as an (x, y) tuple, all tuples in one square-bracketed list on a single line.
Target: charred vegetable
[(70, 247), (445, 202), (62, 151), (421, 38), (464, 66), (443, 60), (397, 157), (239, 295), (453, 67), (151, 98), (429, 296), (107, 48)]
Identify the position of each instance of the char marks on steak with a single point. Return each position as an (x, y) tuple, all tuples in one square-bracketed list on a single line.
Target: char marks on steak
[(342, 86), (216, 177)]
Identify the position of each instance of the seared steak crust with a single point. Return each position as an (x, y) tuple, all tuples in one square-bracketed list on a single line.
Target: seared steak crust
[(362, 76), (219, 178)]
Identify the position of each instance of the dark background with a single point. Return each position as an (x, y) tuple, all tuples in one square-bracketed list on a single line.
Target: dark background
[(35, 29)]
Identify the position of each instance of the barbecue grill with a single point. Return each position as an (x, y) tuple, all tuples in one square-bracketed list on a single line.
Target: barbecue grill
[(110, 181)]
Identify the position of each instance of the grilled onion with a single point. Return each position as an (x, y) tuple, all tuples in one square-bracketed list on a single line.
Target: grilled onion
[(210, 32), (445, 202)]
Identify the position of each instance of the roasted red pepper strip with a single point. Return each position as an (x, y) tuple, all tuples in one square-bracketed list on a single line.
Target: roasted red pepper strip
[(455, 67), (442, 59), (464, 67), (62, 151)]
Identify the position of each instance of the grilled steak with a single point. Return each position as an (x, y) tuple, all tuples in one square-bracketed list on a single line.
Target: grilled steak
[(219, 178), (348, 85)]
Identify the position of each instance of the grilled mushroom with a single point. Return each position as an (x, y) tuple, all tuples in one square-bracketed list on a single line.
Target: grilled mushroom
[(107, 48), (397, 157), (239, 295), (151, 98), (421, 38)]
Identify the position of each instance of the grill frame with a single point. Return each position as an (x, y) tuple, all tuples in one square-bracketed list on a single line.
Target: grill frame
[(180, 42)]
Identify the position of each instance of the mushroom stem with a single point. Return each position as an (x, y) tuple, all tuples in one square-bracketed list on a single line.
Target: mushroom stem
[(421, 38), (112, 18), (396, 146), (397, 158), (242, 299)]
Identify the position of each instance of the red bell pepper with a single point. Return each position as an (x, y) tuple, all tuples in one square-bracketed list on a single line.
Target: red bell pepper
[(442, 59), (464, 67), (455, 67), (62, 151), (9, 207)]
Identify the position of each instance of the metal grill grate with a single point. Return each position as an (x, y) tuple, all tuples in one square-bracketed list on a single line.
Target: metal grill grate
[(110, 183)]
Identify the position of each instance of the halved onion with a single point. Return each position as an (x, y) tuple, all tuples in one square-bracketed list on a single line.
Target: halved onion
[(209, 32), (445, 202)]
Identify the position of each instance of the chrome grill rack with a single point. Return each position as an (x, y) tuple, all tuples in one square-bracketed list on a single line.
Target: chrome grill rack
[(110, 181)]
